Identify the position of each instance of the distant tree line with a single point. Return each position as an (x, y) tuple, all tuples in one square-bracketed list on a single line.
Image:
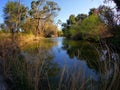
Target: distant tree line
[(100, 23)]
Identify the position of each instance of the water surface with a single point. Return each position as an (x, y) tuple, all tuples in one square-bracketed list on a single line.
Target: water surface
[(68, 62)]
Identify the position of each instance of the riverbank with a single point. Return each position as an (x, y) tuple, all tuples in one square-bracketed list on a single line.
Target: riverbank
[(20, 38)]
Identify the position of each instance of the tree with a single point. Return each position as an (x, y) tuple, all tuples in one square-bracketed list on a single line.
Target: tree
[(2, 27), (80, 18), (92, 11), (42, 11), (14, 15), (50, 30), (117, 2), (29, 26), (71, 27), (92, 28), (117, 8), (107, 16), (71, 20), (66, 31), (60, 33), (59, 22)]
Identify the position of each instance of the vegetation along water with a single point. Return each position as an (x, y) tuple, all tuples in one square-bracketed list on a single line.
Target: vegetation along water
[(35, 55)]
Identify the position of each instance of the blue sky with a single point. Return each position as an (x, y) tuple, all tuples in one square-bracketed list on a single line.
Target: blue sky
[(76, 7), (67, 7)]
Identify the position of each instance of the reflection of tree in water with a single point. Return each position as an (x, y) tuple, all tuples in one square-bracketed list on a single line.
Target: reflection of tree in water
[(40, 53), (108, 67), (28, 66), (82, 50)]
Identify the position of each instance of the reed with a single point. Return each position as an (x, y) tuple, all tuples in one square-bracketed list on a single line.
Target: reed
[(31, 71)]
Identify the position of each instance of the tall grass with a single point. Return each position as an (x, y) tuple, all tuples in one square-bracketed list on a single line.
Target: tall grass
[(31, 71), (109, 68), (21, 73)]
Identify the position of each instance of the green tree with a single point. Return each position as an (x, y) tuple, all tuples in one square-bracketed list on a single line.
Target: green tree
[(80, 17), (14, 15), (92, 11), (65, 29), (71, 27), (71, 20), (42, 11), (92, 28)]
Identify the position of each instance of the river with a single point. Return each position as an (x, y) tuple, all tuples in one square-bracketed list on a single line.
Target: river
[(71, 64)]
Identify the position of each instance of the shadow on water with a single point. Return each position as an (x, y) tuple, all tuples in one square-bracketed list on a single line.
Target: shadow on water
[(82, 50), (104, 60), (59, 64)]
